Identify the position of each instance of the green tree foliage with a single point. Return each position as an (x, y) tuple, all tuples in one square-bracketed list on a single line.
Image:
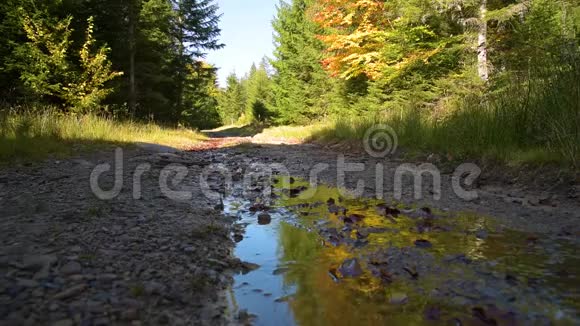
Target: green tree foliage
[(201, 97), (302, 89), (248, 99), (232, 100), (258, 94), (46, 68), (71, 57), (336, 57)]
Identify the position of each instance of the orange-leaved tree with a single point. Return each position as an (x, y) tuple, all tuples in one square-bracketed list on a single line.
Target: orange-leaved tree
[(385, 39), (356, 37)]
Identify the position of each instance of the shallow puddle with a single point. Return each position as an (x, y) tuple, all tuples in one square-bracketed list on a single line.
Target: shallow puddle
[(329, 260)]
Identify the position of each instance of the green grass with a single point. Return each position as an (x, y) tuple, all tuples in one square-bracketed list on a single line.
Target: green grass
[(32, 135), (535, 122), (298, 134)]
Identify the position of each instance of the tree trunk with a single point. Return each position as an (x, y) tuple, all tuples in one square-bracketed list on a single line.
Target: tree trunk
[(180, 70), (482, 64), (132, 51)]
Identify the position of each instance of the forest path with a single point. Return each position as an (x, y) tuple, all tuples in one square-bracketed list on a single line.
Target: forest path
[(68, 257)]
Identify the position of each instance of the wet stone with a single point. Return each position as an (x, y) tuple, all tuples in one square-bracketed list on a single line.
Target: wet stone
[(264, 219), (421, 243), (350, 268)]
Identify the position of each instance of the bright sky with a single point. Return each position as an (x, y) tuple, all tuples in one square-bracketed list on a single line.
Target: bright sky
[(246, 32)]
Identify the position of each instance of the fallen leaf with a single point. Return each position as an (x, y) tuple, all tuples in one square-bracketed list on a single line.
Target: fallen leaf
[(412, 272)]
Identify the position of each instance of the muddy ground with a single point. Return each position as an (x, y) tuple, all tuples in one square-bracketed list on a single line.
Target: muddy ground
[(69, 258)]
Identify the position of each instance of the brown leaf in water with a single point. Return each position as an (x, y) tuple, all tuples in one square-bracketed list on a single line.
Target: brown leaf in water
[(386, 276), (333, 276), (412, 272), (295, 192)]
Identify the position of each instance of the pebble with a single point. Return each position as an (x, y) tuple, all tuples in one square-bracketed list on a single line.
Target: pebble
[(95, 306), (264, 219), (38, 262), (27, 283), (481, 234), (71, 268), (70, 292), (63, 322), (399, 298), (107, 277), (154, 288), (130, 314)]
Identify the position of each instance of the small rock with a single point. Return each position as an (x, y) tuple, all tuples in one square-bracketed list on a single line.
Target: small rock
[(421, 243), (83, 163), (53, 307), (238, 237), (70, 292), (27, 283), (154, 288), (350, 268), (130, 314), (264, 219), (217, 262), (284, 299), (38, 262), (399, 298), (107, 277), (95, 306), (102, 321), (245, 318), (481, 234), (248, 267), (281, 270), (63, 322), (71, 268)]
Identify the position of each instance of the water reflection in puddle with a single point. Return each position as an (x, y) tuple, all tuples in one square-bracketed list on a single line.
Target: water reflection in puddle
[(333, 261)]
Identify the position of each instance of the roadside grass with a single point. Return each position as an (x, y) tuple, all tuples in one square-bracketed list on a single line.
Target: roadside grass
[(36, 135), (537, 122), (299, 134), (486, 132)]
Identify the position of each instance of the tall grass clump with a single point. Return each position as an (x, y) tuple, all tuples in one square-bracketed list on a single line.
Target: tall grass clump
[(534, 120), (33, 134)]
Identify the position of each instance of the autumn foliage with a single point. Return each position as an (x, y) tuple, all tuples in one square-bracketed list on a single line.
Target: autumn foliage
[(358, 33)]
